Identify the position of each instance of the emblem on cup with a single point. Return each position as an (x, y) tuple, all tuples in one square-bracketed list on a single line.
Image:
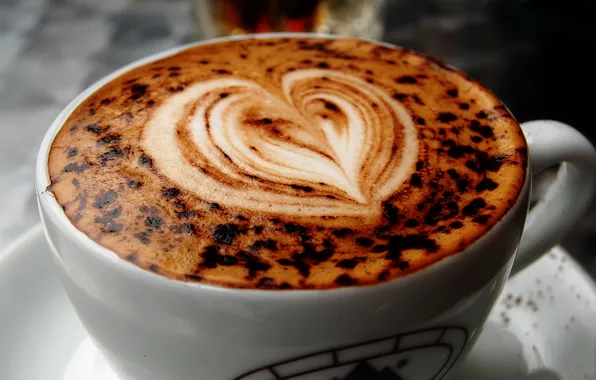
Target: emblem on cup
[(427, 354)]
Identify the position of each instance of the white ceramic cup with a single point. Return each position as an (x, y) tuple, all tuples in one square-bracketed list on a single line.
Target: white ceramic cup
[(417, 327)]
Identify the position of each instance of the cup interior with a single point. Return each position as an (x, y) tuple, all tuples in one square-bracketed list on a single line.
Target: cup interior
[(53, 211)]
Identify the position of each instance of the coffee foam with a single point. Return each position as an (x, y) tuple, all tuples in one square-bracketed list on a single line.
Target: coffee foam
[(288, 163)]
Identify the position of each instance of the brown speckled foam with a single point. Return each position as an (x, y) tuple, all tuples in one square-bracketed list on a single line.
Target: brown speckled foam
[(288, 163)]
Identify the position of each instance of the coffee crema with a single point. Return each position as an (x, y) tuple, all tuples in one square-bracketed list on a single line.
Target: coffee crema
[(288, 163)]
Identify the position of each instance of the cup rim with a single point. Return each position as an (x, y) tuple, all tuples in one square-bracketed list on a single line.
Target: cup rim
[(48, 202)]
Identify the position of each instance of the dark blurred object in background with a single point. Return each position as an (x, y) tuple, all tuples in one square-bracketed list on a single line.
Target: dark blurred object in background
[(559, 70), (357, 18)]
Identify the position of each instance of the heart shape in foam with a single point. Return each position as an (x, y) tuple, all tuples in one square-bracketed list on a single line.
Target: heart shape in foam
[(323, 143)]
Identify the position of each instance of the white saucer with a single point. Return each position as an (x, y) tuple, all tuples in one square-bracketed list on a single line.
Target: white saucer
[(544, 328)]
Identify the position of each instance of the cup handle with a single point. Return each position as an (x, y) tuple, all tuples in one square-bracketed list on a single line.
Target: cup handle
[(552, 143)]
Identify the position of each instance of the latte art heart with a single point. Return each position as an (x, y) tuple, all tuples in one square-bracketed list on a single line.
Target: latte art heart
[(319, 145)]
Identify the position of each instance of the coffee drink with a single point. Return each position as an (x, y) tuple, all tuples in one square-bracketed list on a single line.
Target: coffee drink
[(288, 163)]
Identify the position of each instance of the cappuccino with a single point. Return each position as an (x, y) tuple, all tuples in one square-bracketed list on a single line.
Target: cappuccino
[(288, 163)]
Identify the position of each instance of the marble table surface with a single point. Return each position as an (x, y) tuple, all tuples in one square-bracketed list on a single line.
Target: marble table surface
[(532, 57)]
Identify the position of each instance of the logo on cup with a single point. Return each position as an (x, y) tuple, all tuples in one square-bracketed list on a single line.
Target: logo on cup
[(429, 354)]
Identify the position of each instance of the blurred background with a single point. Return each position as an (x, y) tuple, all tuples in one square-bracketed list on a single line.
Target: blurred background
[(536, 55)]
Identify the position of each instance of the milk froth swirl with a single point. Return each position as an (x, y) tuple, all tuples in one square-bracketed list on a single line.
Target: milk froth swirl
[(323, 149)]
